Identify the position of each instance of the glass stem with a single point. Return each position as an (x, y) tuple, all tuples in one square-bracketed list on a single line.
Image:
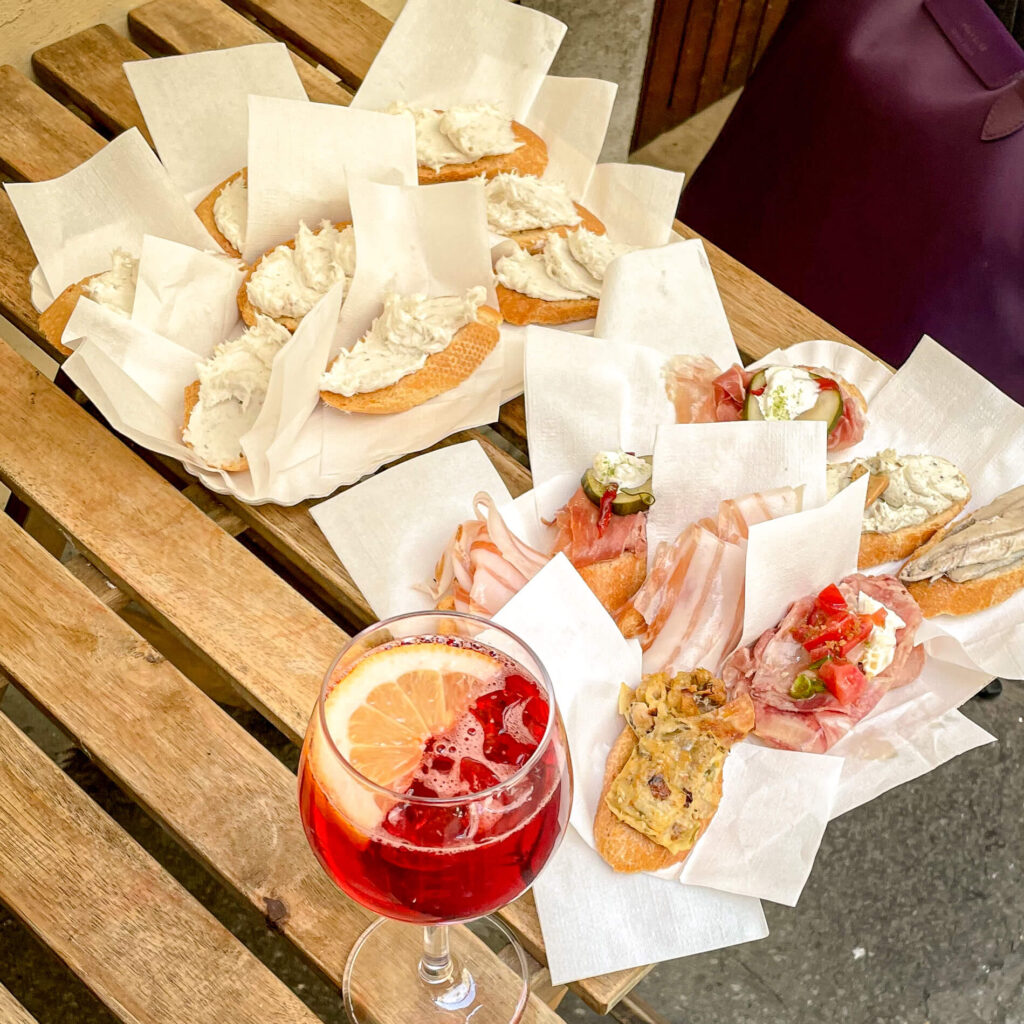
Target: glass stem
[(436, 962)]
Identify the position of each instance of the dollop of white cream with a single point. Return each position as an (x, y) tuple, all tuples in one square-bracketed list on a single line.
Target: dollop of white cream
[(594, 251), (460, 134), (232, 386), (231, 212), (115, 288), (526, 273), (880, 646), (289, 282), (788, 391), (566, 270), (410, 328), (621, 469), (522, 202)]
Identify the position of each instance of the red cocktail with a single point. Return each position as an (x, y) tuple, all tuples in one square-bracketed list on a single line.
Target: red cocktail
[(434, 782)]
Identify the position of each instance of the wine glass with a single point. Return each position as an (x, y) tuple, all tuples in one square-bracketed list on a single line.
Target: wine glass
[(434, 785)]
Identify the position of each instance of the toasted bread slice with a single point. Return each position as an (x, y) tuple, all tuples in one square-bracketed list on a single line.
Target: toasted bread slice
[(521, 309), (245, 307), (191, 401), (204, 211), (876, 548), (944, 597), (55, 317), (615, 580), (530, 158), (532, 239), (469, 347)]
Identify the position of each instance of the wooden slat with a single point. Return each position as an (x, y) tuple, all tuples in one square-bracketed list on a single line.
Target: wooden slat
[(118, 920), (744, 44), (16, 263), (343, 35), (773, 12), (11, 1011), (691, 58), (194, 578), (205, 778), (166, 27), (86, 66), (716, 60), (667, 32), (40, 138)]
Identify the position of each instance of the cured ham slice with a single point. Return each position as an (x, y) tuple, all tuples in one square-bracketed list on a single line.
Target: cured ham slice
[(766, 670), (612, 560), (701, 393), (484, 564), (689, 611)]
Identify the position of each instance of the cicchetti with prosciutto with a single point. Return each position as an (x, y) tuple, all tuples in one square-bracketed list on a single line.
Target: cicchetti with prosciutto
[(701, 393), (829, 661)]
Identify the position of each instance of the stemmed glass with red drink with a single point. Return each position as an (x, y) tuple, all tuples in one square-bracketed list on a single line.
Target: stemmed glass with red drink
[(434, 785)]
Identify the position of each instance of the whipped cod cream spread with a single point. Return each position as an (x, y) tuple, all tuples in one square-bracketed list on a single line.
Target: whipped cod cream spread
[(232, 386), (115, 288), (230, 211), (569, 267), (788, 391), (410, 328), (920, 486), (880, 645), (289, 282), (523, 202), (460, 134)]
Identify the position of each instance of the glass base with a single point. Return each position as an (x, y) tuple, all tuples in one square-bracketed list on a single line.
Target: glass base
[(383, 983)]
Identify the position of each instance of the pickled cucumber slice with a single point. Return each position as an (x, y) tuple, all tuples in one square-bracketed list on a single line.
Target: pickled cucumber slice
[(625, 503)]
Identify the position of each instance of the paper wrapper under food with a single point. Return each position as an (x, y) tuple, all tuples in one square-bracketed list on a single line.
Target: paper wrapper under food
[(585, 395), (390, 530), (430, 241), (866, 372), (666, 297), (301, 156), (137, 377), (196, 107), (440, 53), (699, 465), (110, 201), (774, 810), (937, 405), (910, 731)]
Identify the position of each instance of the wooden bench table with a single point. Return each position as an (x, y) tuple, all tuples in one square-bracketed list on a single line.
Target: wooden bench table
[(252, 601)]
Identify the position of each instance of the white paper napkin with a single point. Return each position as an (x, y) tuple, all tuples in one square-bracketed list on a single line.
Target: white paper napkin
[(196, 107), (205, 316), (301, 156), (666, 298), (445, 52), (699, 465), (585, 395), (110, 201), (390, 530), (636, 202)]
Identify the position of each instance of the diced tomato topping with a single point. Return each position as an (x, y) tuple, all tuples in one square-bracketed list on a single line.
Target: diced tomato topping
[(604, 516), (844, 681), (830, 600), (877, 617), (858, 635)]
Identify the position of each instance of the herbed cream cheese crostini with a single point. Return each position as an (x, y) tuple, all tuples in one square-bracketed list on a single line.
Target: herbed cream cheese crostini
[(224, 212), (468, 140), (288, 280), (560, 284), (113, 288), (416, 349)]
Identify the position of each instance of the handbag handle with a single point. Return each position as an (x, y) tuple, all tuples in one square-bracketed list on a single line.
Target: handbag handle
[(989, 50)]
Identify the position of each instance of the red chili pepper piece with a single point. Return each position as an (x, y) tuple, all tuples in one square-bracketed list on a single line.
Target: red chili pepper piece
[(604, 515), (827, 384)]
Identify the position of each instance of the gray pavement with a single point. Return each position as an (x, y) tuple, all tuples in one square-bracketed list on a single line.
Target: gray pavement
[(914, 912)]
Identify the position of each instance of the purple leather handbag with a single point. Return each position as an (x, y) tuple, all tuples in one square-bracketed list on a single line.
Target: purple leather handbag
[(874, 170)]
